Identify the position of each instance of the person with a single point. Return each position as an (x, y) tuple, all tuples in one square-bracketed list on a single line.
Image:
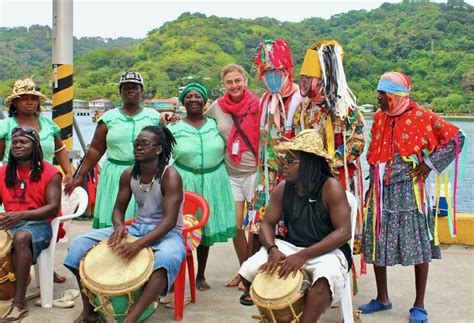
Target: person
[(158, 190), (114, 136), (236, 114), (198, 157), (407, 143), (317, 215), (30, 190), (24, 108)]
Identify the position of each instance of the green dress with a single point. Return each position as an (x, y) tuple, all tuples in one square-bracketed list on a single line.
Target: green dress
[(198, 157), (48, 131), (121, 133)]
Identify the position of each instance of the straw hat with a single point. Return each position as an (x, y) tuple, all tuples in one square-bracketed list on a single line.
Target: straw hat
[(22, 87), (309, 140)]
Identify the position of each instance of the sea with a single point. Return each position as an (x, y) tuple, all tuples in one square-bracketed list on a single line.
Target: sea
[(465, 197)]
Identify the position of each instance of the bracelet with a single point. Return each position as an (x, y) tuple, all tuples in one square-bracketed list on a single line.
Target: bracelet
[(59, 149), (271, 247)]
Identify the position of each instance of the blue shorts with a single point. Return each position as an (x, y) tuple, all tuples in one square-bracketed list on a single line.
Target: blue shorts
[(169, 250), (41, 234)]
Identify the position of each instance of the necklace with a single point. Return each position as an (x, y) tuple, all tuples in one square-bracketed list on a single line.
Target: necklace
[(142, 185), (22, 182)]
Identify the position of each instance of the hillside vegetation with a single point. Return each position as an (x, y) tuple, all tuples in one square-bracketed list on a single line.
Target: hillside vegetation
[(432, 43)]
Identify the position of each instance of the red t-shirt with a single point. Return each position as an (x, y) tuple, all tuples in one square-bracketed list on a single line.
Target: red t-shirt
[(26, 195)]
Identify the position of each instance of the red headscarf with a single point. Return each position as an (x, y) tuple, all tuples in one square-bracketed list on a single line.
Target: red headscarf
[(246, 112)]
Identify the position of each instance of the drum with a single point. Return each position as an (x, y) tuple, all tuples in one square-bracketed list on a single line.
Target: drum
[(277, 299), (113, 284), (7, 276)]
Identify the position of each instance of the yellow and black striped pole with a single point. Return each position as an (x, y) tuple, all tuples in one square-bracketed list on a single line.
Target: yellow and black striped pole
[(62, 69)]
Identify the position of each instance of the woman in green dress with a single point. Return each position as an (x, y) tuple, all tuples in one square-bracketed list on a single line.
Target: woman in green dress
[(199, 158), (115, 134)]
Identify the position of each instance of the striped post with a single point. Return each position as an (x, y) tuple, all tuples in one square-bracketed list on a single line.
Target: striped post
[(62, 69)]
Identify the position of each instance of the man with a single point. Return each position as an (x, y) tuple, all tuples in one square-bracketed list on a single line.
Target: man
[(158, 190), (30, 190), (317, 216)]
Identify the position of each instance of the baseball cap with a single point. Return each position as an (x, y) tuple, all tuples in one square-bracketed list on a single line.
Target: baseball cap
[(131, 77)]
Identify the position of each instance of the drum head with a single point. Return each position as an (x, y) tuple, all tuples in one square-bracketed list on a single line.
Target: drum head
[(5, 242), (105, 272), (271, 287)]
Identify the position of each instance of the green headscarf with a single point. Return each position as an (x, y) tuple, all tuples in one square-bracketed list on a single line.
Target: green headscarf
[(193, 86)]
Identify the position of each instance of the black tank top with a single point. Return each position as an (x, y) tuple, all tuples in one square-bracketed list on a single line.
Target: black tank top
[(307, 220)]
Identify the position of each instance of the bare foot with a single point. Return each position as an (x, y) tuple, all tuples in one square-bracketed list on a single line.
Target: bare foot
[(202, 285), (58, 278)]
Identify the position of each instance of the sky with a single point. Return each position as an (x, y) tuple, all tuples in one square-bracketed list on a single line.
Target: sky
[(115, 18)]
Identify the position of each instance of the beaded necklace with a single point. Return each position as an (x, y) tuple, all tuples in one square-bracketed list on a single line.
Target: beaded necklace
[(22, 182), (142, 185)]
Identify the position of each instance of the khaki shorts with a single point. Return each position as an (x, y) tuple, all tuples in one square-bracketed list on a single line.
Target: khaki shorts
[(243, 187), (332, 266)]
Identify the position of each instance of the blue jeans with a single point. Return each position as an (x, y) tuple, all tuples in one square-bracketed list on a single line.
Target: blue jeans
[(169, 250), (41, 234)]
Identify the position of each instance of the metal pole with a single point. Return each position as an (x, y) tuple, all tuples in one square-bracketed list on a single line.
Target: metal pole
[(62, 68), (79, 136)]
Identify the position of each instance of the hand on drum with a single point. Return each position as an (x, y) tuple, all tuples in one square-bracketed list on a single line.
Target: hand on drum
[(128, 250), (119, 232), (8, 220), (275, 257), (291, 264)]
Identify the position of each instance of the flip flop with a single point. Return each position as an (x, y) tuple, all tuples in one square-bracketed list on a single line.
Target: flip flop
[(418, 315), (374, 306), (14, 314), (233, 282), (245, 299)]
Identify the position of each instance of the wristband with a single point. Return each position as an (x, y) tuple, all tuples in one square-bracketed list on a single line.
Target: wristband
[(271, 247)]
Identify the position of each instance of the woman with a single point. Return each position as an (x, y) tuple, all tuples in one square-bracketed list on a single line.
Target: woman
[(24, 108), (115, 134), (236, 114), (408, 142), (198, 157)]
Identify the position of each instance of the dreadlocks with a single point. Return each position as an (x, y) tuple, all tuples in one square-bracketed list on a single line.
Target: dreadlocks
[(312, 172), (36, 166), (166, 140)]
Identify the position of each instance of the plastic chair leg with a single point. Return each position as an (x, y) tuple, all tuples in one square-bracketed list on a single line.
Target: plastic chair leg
[(179, 288), (346, 302), (192, 277), (46, 273)]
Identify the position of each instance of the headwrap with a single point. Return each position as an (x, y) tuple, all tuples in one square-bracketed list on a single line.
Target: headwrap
[(194, 86), (246, 112), (26, 131), (23, 87), (274, 54), (397, 87)]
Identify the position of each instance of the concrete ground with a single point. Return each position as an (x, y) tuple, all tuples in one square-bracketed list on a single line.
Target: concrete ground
[(449, 295)]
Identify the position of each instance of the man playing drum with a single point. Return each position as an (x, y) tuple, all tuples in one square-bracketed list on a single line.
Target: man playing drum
[(317, 215), (159, 193), (30, 190)]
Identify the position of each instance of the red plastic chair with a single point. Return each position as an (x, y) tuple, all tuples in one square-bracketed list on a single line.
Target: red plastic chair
[(192, 203)]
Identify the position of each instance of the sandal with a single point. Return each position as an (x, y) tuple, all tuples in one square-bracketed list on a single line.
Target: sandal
[(233, 282), (14, 314), (374, 306), (418, 315), (245, 299)]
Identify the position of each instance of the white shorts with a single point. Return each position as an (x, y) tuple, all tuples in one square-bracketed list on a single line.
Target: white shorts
[(332, 266), (243, 187)]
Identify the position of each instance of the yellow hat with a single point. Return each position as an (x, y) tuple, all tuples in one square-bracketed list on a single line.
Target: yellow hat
[(309, 140), (22, 87), (311, 65)]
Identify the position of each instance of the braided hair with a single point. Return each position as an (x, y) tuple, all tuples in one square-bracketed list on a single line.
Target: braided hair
[(166, 140), (312, 173), (36, 166)]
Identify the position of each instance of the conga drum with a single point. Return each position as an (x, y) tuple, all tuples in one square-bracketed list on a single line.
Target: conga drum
[(7, 276), (278, 299), (114, 284)]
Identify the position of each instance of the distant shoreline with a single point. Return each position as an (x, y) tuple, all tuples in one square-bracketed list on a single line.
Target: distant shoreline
[(444, 116)]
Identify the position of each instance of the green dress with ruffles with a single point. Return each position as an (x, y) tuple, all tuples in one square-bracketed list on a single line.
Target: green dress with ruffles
[(199, 158), (122, 130)]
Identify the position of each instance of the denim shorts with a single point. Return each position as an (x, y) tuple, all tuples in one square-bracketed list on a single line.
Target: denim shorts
[(169, 250), (41, 234)]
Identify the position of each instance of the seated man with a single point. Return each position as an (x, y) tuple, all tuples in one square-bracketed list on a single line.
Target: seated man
[(30, 190), (158, 190), (317, 216)]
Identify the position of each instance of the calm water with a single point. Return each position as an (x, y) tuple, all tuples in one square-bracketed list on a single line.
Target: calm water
[(465, 201)]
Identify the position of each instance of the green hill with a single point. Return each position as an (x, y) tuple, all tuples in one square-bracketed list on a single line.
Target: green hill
[(432, 43)]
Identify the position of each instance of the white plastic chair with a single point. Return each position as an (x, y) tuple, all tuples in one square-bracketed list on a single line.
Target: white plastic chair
[(72, 206), (346, 301)]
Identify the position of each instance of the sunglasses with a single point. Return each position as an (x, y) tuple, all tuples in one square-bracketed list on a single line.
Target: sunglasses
[(289, 160), (144, 144)]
